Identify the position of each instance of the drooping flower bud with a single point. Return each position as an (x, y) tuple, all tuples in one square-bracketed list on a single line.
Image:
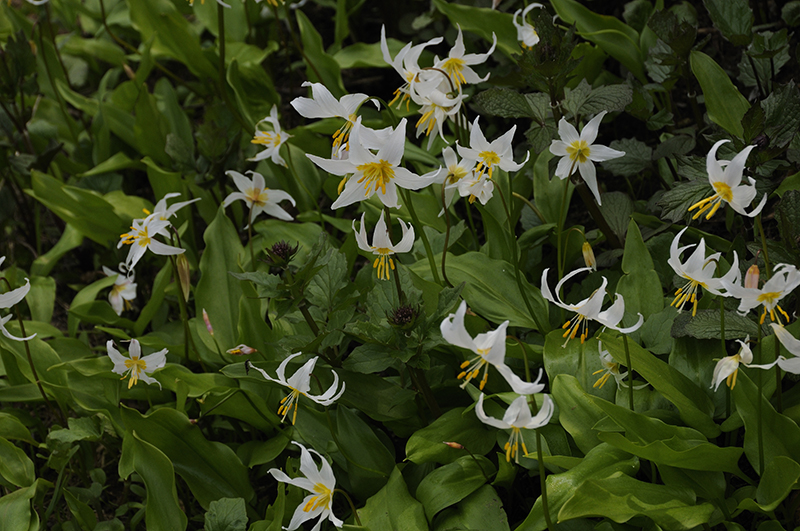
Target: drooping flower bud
[(588, 256), (241, 350), (455, 445), (184, 274), (752, 276), (207, 321)]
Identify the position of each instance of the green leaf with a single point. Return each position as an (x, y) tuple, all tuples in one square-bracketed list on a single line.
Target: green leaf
[(615, 37), (481, 510), (12, 428), (706, 325), (226, 514), (577, 359), (621, 498), (83, 514), (151, 128), (162, 510), (15, 509), (777, 482), (456, 425), (15, 467), (505, 103), (640, 285), (607, 98), (44, 263), (603, 461), (675, 203), (733, 18), (451, 483), (725, 104), (787, 213), (369, 463), (577, 411), (638, 157), (319, 63), (694, 406), (484, 22), (393, 508), (210, 469), (617, 208)]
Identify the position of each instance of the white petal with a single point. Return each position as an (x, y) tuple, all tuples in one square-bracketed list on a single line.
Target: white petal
[(491, 421)]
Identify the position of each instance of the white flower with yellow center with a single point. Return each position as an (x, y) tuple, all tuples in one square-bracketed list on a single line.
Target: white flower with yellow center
[(726, 177), (436, 107), (406, 64), (378, 173), (257, 196), (300, 384), (526, 33), (9, 299), (136, 367), (611, 368), (727, 368), (699, 271), (589, 309), (452, 173), (476, 187), (490, 348), (323, 104), (122, 292), (382, 244), (579, 152), (488, 155), (273, 140), (458, 64), (319, 482), (141, 238), (791, 344), (785, 278), (517, 418)]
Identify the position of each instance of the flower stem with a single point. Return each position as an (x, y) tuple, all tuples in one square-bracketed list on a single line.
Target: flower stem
[(543, 480), (764, 245), (760, 397), (425, 242), (400, 295), (446, 237), (250, 238), (778, 377), (184, 315), (33, 368), (421, 383), (630, 371), (724, 351), (352, 507)]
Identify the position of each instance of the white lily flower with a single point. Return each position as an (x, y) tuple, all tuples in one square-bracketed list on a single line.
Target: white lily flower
[(123, 291), (476, 187), (379, 173), (382, 244), (136, 367), (526, 33), (785, 278), (699, 271), (323, 104), (452, 173), (516, 418), (140, 238), (257, 196), (436, 108), (791, 344), (580, 152), (165, 212), (589, 308), (727, 368), (273, 140), (405, 64), (490, 348), (498, 152), (611, 368), (300, 384), (320, 482), (726, 177), (9, 299), (458, 64)]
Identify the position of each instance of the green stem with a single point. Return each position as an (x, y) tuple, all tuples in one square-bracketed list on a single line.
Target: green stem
[(302, 184), (543, 481), (471, 224), (760, 396), (446, 237), (184, 316), (352, 507), (250, 237), (297, 43), (724, 351), (221, 43), (530, 205), (431, 260), (764, 246), (421, 383), (778, 377), (630, 371)]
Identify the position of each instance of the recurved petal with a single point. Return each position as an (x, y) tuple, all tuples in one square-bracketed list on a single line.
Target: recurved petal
[(491, 421), (518, 385), (361, 235), (453, 330), (589, 175), (116, 358), (715, 172), (788, 341), (544, 414), (241, 182), (7, 300), (334, 166), (301, 380)]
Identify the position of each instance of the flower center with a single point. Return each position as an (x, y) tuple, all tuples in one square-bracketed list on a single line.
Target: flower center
[(322, 499), (380, 173), (136, 366), (688, 293), (257, 196), (770, 302), (572, 326), (455, 174), (578, 151), (137, 235), (723, 191), (473, 367), (286, 404), (383, 263), (488, 160), (267, 138), (454, 67), (342, 135), (513, 444)]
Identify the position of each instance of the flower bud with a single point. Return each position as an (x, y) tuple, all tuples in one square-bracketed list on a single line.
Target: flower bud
[(281, 253), (751, 277), (588, 256), (184, 275), (403, 317), (207, 321), (241, 350), (455, 445)]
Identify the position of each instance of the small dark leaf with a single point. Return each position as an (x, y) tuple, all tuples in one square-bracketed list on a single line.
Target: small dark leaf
[(608, 98), (540, 137), (787, 213), (505, 103), (791, 13), (782, 115), (638, 157), (636, 14), (753, 123), (660, 120), (706, 325), (676, 202), (575, 98), (617, 208), (676, 145), (226, 514), (733, 18)]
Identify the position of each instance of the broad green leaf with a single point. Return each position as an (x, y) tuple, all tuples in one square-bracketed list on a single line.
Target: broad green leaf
[(581, 360), (484, 22), (369, 462), (482, 510), (638, 157), (504, 102), (640, 285), (693, 404), (621, 498), (226, 514), (777, 482), (318, 62), (82, 513), (733, 18), (725, 104), (706, 325), (151, 128), (393, 508), (41, 298), (366, 55), (577, 412), (210, 469), (607, 98), (491, 288), (163, 511), (254, 91), (611, 34), (456, 425), (451, 483), (70, 239), (12, 428), (676, 202), (603, 461), (15, 510), (15, 467)]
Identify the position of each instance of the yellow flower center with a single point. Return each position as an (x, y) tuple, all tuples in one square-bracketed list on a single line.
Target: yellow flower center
[(257, 196), (322, 499), (380, 173), (730, 381), (137, 235), (430, 117), (572, 326), (723, 193), (267, 139), (513, 444), (455, 174), (454, 66), (578, 151), (688, 293), (771, 299), (473, 367), (488, 160), (286, 404), (383, 263), (135, 365)]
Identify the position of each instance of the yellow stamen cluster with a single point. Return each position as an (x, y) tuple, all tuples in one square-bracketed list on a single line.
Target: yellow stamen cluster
[(473, 368), (513, 444), (455, 173), (383, 263), (140, 236), (488, 160), (322, 499), (257, 196), (267, 138), (286, 404), (770, 298), (379, 173), (342, 135), (135, 365), (579, 151), (429, 117), (401, 96), (453, 67), (723, 193), (572, 326), (688, 293)]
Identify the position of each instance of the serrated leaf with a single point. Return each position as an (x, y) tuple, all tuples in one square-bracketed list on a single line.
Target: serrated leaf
[(706, 325), (617, 208), (675, 203), (575, 98), (638, 157), (539, 104), (226, 514), (787, 214), (733, 18), (782, 114), (676, 145), (608, 98), (505, 103)]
